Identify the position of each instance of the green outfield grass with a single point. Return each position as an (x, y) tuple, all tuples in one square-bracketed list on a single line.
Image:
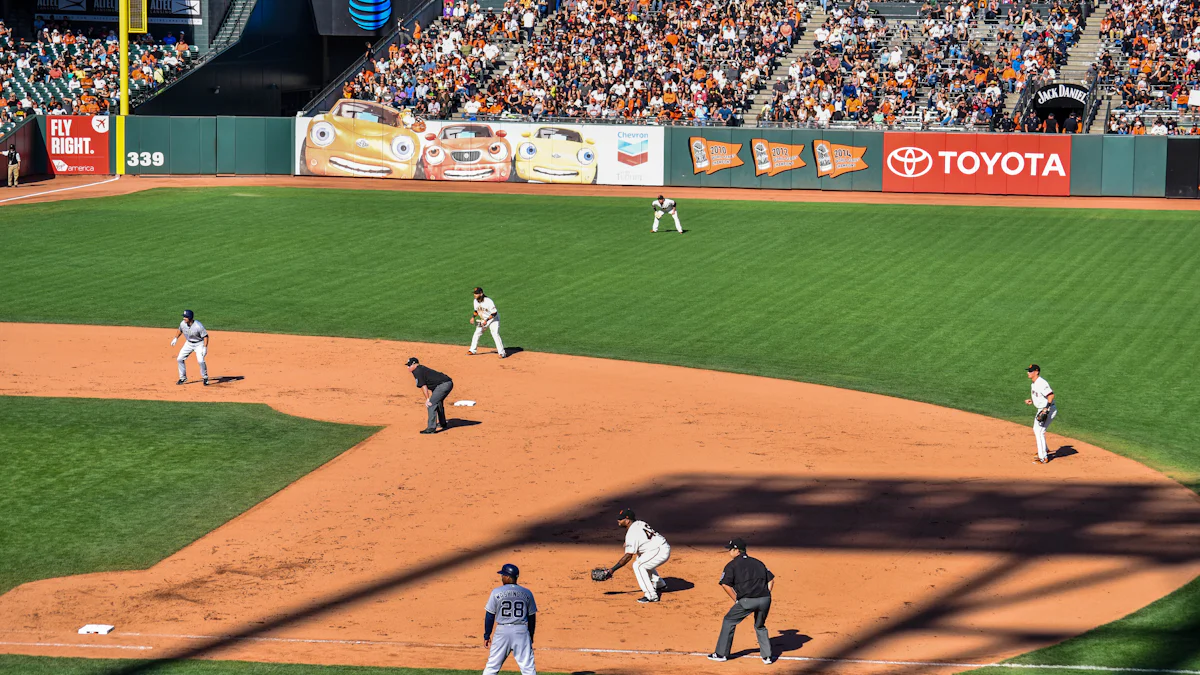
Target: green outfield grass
[(938, 304), (91, 485)]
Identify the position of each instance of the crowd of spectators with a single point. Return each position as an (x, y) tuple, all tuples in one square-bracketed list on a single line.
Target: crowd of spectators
[(698, 61), (1126, 123), (952, 67), (74, 71), (1157, 48), (432, 71)]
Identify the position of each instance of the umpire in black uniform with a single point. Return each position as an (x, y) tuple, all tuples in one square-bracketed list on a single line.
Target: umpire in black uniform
[(748, 582), (437, 386)]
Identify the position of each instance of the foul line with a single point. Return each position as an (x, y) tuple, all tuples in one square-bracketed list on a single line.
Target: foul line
[(50, 192), (643, 652), (73, 646)]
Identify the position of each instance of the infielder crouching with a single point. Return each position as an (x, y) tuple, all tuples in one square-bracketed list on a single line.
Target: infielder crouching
[(196, 341), (1041, 396), (512, 614), (486, 316), (663, 205), (651, 549)]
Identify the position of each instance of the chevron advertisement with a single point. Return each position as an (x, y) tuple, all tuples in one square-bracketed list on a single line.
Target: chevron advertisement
[(363, 139)]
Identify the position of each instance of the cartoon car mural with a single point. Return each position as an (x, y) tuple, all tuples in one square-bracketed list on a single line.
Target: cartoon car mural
[(556, 155), (467, 152), (361, 139)]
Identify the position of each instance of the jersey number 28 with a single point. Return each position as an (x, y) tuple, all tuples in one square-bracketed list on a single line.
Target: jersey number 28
[(513, 609)]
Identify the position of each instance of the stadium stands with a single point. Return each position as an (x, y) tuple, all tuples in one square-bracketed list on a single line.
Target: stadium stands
[(66, 70)]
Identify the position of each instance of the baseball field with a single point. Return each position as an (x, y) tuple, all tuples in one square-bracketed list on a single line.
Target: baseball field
[(840, 384)]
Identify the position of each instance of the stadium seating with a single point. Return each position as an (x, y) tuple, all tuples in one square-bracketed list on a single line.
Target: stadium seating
[(63, 71)]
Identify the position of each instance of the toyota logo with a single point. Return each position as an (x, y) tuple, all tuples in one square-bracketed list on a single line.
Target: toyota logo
[(913, 162)]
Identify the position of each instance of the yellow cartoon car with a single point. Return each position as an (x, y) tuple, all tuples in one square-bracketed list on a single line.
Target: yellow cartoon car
[(556, 155), (361, 139)]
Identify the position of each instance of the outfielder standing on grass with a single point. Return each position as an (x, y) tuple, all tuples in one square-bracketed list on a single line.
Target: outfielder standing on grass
[(486, 316), (1041, 396), (663, 205), (437, 386), (196, 341), (748, 583), (512, 614)]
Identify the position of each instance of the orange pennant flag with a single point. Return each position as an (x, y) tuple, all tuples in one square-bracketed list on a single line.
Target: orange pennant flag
[(712, 156), (775, 158), (835, 160)]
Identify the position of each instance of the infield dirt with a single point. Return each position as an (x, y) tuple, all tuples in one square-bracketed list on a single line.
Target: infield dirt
[(898, 530)]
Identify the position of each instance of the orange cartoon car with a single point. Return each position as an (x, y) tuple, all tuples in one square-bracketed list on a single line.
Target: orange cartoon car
[(467, 152), (361, 139)]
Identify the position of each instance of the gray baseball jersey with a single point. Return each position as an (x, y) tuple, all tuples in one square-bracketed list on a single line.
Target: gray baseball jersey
[(511, 604), (194, 332)]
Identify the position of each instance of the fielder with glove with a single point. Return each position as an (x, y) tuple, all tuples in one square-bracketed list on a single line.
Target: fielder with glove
[(1041, 397), (651, 549)]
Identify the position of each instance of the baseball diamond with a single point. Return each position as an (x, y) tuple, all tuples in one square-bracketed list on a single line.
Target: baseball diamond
[(915, 394)]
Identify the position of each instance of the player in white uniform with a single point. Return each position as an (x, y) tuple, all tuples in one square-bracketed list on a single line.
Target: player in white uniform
[(486, 316), (663, 205), (651, 549), (1042, 398), (512, 612), (196, 340)]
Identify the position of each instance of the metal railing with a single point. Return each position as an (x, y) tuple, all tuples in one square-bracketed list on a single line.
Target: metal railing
[(559, 119), (333, 91)]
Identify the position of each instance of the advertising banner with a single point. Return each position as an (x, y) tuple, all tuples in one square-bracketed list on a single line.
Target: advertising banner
[(363, 139), (168, 12), (1000, 164), (77, 144)]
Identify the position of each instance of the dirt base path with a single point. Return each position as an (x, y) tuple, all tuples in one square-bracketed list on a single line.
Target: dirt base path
[(898, 530), (81, 187)]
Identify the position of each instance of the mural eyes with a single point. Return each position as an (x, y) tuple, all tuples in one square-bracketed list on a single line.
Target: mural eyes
[(435, 156), (498, 151), (322, 134), (527, 150), (586, 156), (403, 148)]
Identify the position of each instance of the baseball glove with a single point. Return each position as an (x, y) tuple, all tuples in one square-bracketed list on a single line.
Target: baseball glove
[(1043, 415), (601, 574)]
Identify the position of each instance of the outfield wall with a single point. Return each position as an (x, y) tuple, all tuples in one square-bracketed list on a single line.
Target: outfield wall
[(769, 159)]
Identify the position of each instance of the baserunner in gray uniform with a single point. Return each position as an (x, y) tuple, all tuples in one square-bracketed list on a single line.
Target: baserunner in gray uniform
[(748, 582), (437, 386), (196, 341), (512, 614)]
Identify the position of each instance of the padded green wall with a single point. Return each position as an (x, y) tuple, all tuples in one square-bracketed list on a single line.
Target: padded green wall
[(209, 145)]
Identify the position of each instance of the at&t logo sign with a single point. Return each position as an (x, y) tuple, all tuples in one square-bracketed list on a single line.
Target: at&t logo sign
[(370, 14), (909, 162)]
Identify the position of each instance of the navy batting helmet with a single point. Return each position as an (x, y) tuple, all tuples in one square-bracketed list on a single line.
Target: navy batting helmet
[(187, 314), (510, 570)]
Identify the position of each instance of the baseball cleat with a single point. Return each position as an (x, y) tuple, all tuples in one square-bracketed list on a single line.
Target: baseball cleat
[(767, 662), (644, 600), (470, 353), (717, 657), (504, 356), (429, 431), (206, 381), (182, 380), (1039, 460)]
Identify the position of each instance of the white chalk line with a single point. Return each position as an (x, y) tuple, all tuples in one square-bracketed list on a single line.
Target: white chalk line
[(73, 646), (50, 192), (646, 652)]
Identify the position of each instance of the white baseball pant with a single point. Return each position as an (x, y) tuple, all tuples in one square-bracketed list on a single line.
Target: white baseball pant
[(659, 214), (1039, 432), (514, 639), (645, 570), (494, 327), (201, 351)]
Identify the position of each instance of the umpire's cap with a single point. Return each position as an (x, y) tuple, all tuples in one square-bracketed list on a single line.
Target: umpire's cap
[(412, 360), (187, 314), (509, 570), (739, 544), (626, 513)]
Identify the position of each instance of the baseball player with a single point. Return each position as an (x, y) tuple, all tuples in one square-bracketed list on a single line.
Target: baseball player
[(486, 316), (196, 340), (651, 549), (1042, 398), (663, 205), (512, 613)]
